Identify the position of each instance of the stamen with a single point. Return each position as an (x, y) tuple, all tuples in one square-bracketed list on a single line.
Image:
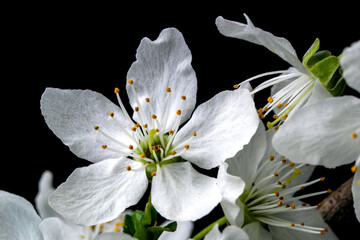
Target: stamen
[(128, 168), (354, 135)]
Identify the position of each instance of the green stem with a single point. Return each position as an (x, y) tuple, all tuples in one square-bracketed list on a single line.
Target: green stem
[(203, 232)]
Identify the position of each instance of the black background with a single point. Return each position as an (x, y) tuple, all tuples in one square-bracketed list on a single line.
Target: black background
[(91, 46)]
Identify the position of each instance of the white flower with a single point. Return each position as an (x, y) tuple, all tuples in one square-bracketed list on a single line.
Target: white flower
[(328, 133), (229, 233), (18, 218), (258, 187), (305, 82), (162, 91)]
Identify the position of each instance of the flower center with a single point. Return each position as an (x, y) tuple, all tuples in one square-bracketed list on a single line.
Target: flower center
[(149, 141), (272, 193)]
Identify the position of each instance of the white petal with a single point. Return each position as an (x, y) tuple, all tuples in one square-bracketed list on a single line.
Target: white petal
[(245, 163), (18, 218), (231, 187), (41, 199), (229, 233), (356, 190), (180, 193), (320, 133), (248, 32), (318, 93), (350, 61), (256, 231), (224, 124), (72, 116), (183, 231), (100, 192), (114, 236), (161, 64), (55, 229), (310, 218)]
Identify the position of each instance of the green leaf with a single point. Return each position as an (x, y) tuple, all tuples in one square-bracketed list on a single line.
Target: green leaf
[(312, 50)]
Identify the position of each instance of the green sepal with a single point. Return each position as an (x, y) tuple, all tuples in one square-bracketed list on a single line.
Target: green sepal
[(311, 51), (134, 225), (157, 231), (150, 212)]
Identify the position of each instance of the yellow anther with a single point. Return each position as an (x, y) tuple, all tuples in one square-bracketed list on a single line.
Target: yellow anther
[(131, 147), (159, 146), (286, 104), (157, 130), (153, 174), (270, 99), (277, 194), (130, 81), (145, 126), (279, 203), (92, 227), (292, 206), (283, 160), (279, 105), (319, 204), (116, 90), (281, 198), (322, 232), (194, 134), (291, 164), (302, 188), (186, 146), (153, 116), (326, 229), (354, 135), (116, 229), (276, 174), (134, 129), (147, 99), (178, 112), (278, 183), (287, 205), (82, 236), (96, 127), (359, 181), (292, 224), (136, 109), (266, 109), (329, 190), (119, 224), (128, 168), (168, 89), (276, 128), (275, 116), (271, 158), (285, 117), (297, 171), (100, 226), (104, 146), (283, 186), (236, 86), (137, 125), (153, 148), (173, 153), (111, 114), (322, 179), (183, 98), (171, 132), (303, 204), (260, 110), (142, 155)]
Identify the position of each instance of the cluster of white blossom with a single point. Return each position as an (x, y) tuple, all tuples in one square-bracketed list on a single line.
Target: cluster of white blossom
[(259, 170)]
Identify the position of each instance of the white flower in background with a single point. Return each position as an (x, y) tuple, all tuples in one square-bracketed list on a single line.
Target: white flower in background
[(316, 77), (328, 133), (18, 218), (258, 187), (127, 152), (229, 233)]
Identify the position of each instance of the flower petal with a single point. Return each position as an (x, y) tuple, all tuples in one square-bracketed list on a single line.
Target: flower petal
[(356, 189), (229, 233), (180, 193), (256, 231), (350, 61), (248, 32), (18, 218), (161, 64), (55, 229), (321, 133), (224, 124), (115, 236), (42, 198), (100, 192), (231, 187), (245, 163), (72, 116)]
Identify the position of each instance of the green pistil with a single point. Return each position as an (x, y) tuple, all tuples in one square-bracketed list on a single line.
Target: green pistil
[(288, 180)]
